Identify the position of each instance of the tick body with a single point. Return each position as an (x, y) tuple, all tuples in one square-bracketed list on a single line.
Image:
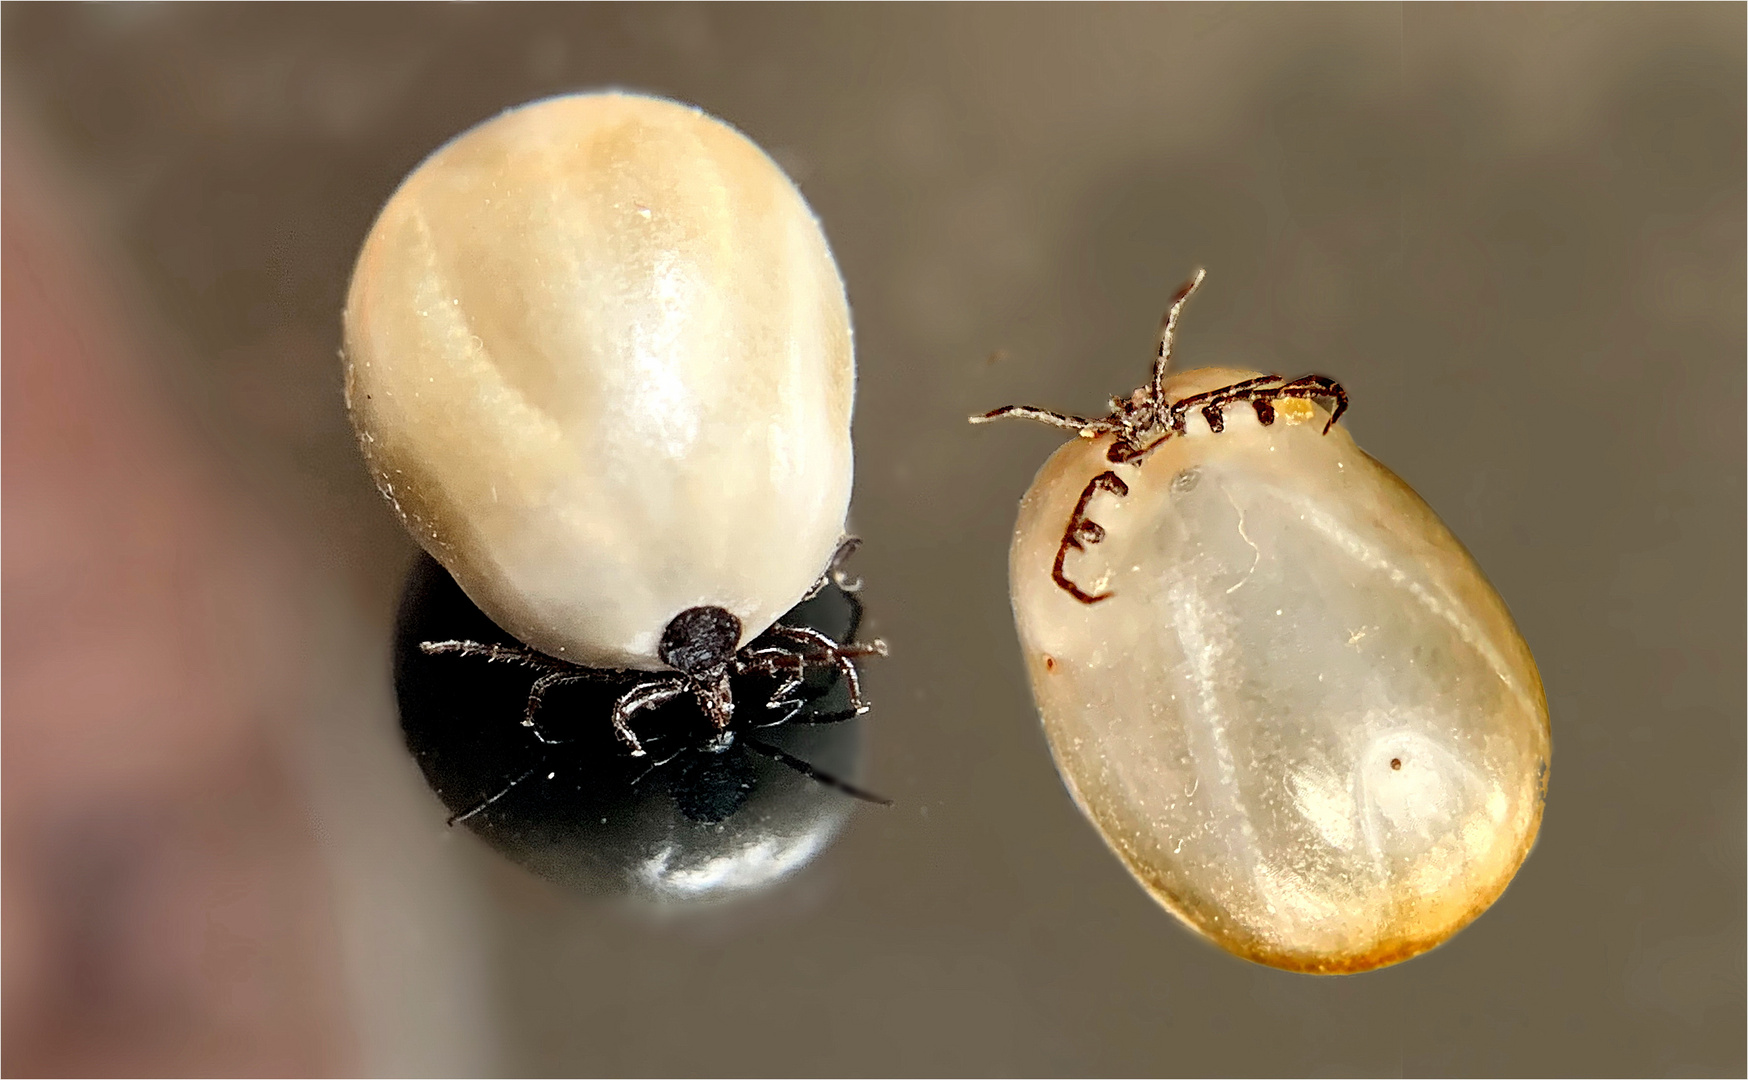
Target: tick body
[(1272, 678), (599, 359), (598, 356)]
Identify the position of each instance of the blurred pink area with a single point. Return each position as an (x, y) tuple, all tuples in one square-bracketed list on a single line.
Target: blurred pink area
[(165, 911)]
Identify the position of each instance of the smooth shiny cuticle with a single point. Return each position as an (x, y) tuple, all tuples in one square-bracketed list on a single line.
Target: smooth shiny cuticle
[(1301, 716)]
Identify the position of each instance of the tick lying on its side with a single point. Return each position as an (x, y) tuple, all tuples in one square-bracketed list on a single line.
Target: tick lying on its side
[(1270, 676), (598, 356)]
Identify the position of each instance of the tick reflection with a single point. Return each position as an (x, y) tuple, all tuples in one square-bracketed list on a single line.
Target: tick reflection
[(681, 824)]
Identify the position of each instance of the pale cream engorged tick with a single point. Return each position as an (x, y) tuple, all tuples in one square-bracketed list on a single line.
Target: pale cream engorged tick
[(598, 356), (1271, 677)]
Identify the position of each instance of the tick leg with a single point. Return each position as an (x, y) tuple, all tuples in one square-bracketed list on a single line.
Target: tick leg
[(813, 772), (653, 766), (1082, 531), (1260, 392), (808, 638), (1077, 424), (493, 653), (834, 570), (780, 697), (501, 792), (777, 661), (1173, 418), (843, 656), (793, 709), (643, 696), (1262, 396), (852, 682), (769, 660), (847, 547), (537, 695), (1211, 402), (1318, 386), (791, 667), (1168, 332)]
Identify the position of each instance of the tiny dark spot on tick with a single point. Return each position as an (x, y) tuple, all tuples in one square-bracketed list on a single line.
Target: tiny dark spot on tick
[(1049, 663), (1396, 763)]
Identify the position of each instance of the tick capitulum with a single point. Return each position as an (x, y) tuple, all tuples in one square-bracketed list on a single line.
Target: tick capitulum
[(1140, 423)]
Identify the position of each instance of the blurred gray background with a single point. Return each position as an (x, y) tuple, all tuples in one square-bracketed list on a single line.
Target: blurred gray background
[(1516, 233)]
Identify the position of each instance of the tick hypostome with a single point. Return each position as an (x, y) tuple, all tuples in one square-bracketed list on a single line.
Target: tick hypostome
[(1271, 677)]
